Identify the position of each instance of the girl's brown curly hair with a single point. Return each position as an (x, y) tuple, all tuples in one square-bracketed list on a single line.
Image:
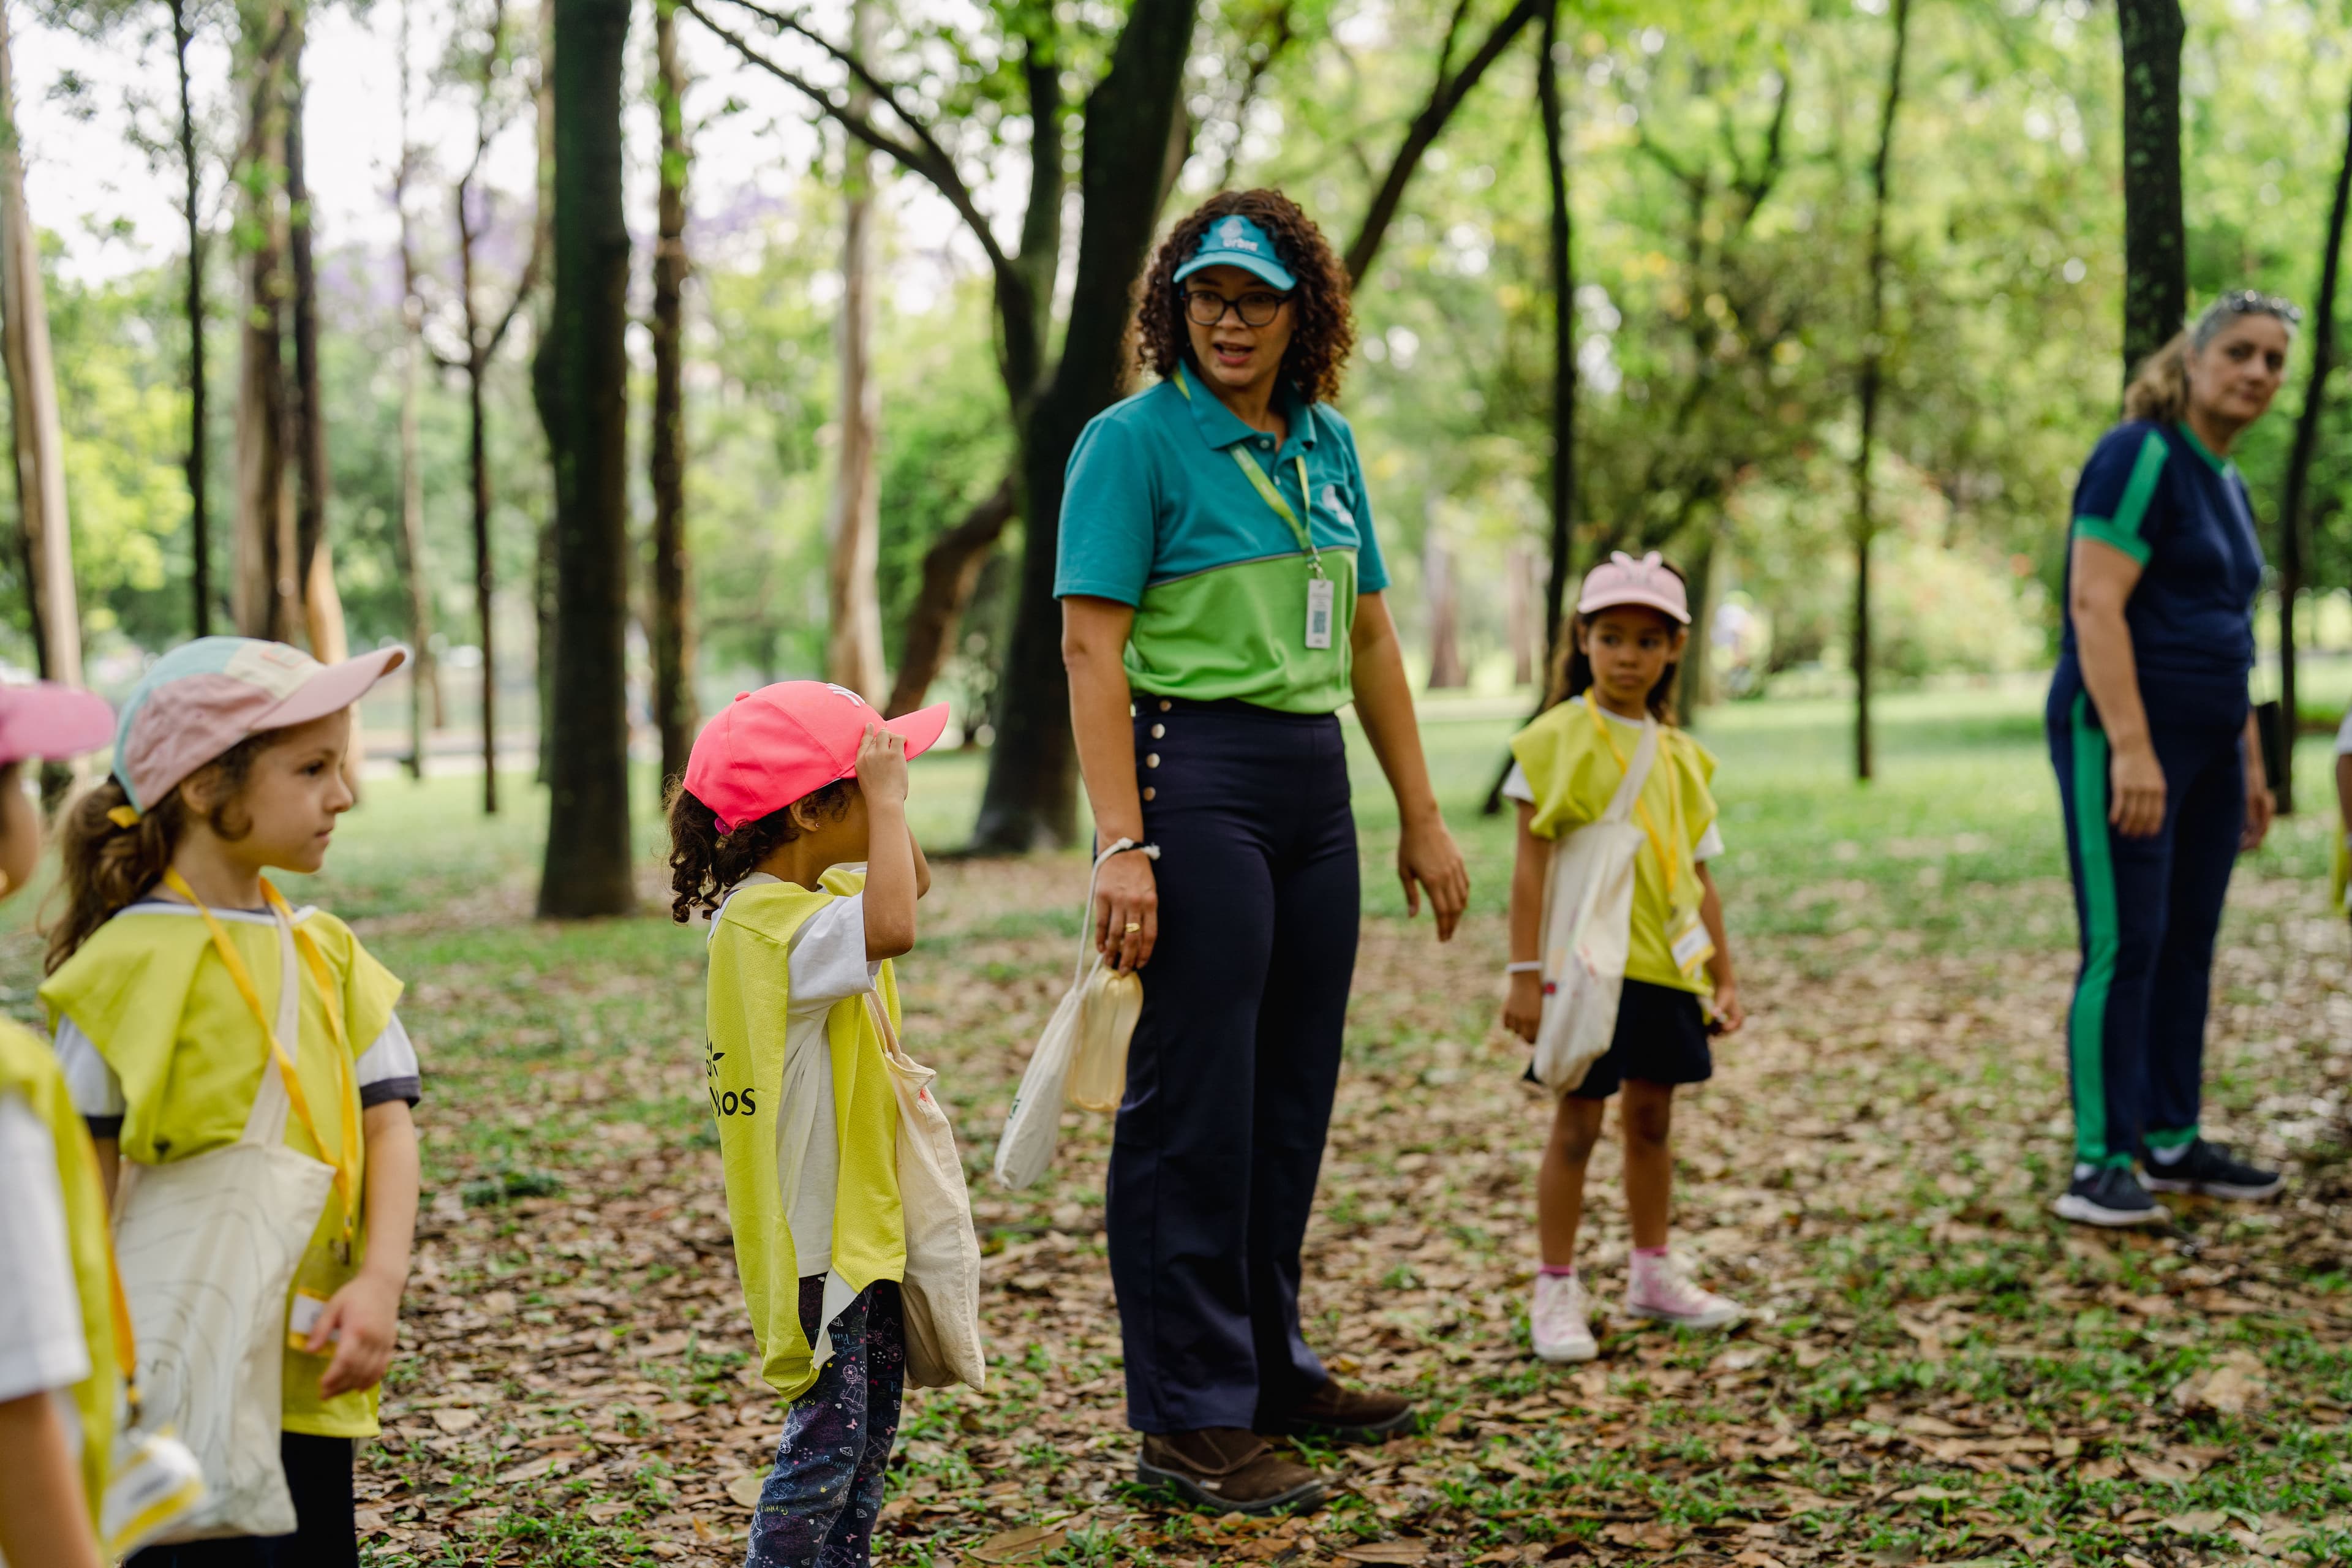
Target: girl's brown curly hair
[(705, 864), (1324, 329)]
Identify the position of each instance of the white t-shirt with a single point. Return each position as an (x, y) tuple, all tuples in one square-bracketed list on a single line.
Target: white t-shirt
[(829, 966), (41, 1344), (1710, 843), (2344, 737)]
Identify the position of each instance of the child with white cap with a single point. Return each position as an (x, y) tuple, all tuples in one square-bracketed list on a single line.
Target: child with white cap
[(1633, 620), (229, 762)]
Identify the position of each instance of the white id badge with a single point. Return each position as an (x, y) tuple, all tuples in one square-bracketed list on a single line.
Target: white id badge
[(303, 1318), (1319, 595), (1693, 947)]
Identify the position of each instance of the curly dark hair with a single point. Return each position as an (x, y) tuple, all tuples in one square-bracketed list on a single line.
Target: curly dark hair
[(705, 864), (1325, 329)]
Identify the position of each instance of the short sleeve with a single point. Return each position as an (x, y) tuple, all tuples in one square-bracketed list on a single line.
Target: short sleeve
[(2112, 499), (2344, 737), (828, 955), (1371, 571), (91, 1081), (41, 1344), (1109, 535), (1515, 785), (1710, 843), (388, 1069)]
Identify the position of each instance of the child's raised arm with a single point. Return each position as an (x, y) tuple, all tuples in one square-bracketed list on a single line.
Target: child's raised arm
[(890, 853), (1523, 1009)]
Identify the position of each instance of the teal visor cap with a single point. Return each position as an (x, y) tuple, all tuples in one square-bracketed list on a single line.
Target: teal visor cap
[(1235, 241)]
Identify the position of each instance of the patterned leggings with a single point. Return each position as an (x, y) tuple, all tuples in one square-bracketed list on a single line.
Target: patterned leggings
[(824, 1494)]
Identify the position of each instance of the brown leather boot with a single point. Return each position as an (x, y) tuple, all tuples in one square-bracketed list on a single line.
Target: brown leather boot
[(1229, 1468), (1337, 1413)]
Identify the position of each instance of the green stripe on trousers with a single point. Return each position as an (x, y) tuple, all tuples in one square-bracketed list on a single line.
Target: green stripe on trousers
[(2087, 1027)]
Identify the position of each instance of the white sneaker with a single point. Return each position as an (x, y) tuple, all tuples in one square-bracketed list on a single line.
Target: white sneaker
[(1662, 1289), (1560, 1319)]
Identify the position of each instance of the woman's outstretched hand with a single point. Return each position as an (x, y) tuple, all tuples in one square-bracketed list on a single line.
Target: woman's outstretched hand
[(1428, 857), (1127, 894)]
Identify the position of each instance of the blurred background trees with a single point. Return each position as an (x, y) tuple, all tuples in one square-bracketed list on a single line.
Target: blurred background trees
[(1711, 280)]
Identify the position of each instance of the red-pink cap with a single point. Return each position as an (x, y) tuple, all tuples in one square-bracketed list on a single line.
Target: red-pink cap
[(1621, 579), (51, 721), (783, 743)]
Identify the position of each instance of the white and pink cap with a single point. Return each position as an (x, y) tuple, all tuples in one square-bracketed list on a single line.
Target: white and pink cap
[(204, 697), (1621, 579)]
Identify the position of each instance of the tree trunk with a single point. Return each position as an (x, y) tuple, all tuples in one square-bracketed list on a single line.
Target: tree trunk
[(673, 608), (2292, 522), (1874, 351), (542, 367), (33, 399), (200, 545), (424, 702), (585, 389), (1519, 617), (853, 648), (1445, 668), (2156, 267), (951, 569), (1031, 798), (264, 585)]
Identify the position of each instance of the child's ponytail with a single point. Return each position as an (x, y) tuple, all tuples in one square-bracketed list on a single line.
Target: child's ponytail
[(705, 864), (111, 854)]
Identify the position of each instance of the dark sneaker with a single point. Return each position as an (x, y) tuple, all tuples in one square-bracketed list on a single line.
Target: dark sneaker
[(2110, 1196), (1228, 1469), (1337, 1413), (2207, 1169)]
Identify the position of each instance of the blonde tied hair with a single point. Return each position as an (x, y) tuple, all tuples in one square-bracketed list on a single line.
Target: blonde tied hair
[(2160, 388)]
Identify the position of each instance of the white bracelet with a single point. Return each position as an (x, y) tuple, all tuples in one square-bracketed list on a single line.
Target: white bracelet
[(1524, 966)]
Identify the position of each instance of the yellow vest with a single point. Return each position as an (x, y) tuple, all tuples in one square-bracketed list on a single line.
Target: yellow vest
[(28, 1067), (748, 1002), (1573, 772), (159, 1005)]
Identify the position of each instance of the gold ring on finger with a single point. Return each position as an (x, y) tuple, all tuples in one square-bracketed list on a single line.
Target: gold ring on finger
[(1134, 926)]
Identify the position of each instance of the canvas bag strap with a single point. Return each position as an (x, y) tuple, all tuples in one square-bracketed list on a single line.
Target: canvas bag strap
[(1629, 788), (291, 1082)]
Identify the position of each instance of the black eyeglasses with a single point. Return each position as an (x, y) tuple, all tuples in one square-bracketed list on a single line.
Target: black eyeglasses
[(1255, 309)]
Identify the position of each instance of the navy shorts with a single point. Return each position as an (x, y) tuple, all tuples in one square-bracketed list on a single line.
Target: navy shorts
[(1660, 1037)]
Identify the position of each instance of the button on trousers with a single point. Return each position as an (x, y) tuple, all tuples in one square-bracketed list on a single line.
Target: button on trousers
[(1230, 1074)]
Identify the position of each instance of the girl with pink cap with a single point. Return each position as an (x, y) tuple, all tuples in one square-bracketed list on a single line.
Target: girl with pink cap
[(1611, 702), (193, 1011)]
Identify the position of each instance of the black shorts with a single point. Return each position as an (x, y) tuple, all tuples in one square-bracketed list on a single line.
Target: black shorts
[(1660, 1037)]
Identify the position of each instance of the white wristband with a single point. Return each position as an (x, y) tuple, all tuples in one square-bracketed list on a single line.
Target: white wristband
[(1524, 966)]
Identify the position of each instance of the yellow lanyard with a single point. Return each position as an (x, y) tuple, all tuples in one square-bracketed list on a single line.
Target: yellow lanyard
[(1267, 490), (1666, 862), (346, 1158)]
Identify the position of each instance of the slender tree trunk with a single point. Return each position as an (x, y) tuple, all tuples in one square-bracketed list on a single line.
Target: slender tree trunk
[(1031, 798), (33, 399), (673, 608), (1874, 351), (542, 396), (585, 388), (853, 649), (306, 438), (2293, 523), (951, 569), (423, 705), (1519, 617), (200, 544), (1445, 668), (263, 584), (2156, 267)]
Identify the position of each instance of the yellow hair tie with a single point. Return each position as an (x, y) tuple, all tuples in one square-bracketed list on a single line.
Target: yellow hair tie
[(123, 816)]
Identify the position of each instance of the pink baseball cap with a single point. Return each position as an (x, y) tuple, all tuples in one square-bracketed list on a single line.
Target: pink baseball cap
[(1621, 579), (51, 721), (204, 697), (783, 743)]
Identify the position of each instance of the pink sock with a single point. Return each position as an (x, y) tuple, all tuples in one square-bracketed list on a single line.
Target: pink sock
[(1649, 1252), (1557, 1271)]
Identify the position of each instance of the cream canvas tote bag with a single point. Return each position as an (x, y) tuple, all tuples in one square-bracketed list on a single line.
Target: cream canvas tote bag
[(941, 1289), (208, 1246), (1587, 931)]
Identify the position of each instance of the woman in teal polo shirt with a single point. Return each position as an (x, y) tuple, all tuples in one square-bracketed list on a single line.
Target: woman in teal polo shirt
[(1220, 590)]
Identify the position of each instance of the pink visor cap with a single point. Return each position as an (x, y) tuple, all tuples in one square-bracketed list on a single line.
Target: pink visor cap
[(1621, 579), (204, 697), (784, 742), (51, 721)]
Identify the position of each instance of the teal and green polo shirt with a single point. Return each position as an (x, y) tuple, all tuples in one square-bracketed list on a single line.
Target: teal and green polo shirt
[(1156, 514)]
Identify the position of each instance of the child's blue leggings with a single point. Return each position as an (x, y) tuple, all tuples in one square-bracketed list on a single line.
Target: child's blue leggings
[(819, 1507)]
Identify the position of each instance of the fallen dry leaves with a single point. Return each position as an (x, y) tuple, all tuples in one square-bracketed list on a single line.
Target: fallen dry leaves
[(1933, 1366)]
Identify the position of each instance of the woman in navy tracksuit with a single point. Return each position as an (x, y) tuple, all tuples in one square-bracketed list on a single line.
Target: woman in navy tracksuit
[(2158, 764)]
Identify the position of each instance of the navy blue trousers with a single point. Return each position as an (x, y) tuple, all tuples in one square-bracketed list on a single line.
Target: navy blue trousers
[(1230, 1076), (823, 1494), (2148, 909)]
